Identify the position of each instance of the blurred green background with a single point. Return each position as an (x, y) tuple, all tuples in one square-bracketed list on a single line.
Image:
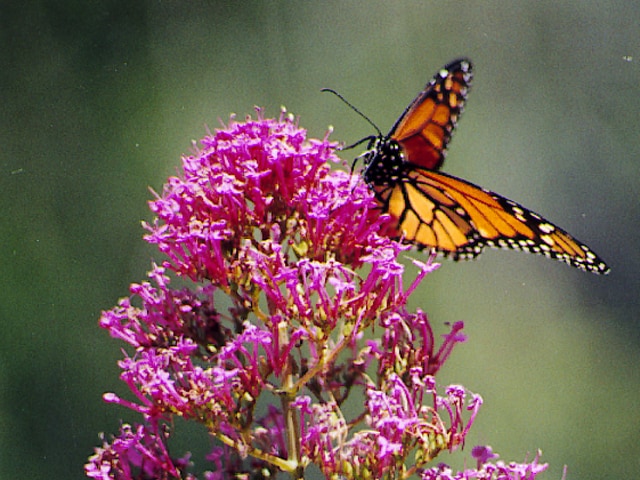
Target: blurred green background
[(100, 99)]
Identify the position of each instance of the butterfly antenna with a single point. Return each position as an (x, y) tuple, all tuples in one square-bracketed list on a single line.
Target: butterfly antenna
[(350, 105)]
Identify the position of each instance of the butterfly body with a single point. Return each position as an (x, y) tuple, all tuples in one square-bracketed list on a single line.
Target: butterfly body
[(384, 162), (431, 209)]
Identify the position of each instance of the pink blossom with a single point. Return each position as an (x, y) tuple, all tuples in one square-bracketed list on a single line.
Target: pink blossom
[(292, 306)]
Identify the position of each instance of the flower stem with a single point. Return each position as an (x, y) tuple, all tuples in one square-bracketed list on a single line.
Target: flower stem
[(292, 426)]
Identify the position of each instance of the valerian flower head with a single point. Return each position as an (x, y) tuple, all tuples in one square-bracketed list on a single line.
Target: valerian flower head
[(137, 452), (487, 470), (254, 185), (286, 281)]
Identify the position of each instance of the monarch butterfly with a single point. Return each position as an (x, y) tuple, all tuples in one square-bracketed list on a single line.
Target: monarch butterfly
[(431, 209)]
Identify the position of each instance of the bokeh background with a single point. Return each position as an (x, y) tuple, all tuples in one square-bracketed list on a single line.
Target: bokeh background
[(100, 99)]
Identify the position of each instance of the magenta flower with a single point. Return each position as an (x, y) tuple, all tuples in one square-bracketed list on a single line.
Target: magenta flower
[(287, 282)]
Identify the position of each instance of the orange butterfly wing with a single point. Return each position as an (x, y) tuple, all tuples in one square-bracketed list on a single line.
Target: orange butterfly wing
[(425, 127), (445, 213), (458, 219)]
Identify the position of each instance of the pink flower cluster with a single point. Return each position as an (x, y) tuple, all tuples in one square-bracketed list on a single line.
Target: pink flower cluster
[(294, 308)]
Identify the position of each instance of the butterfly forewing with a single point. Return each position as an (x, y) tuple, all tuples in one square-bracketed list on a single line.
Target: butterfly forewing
[(457, 218), (425, 128), (434, 210)]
